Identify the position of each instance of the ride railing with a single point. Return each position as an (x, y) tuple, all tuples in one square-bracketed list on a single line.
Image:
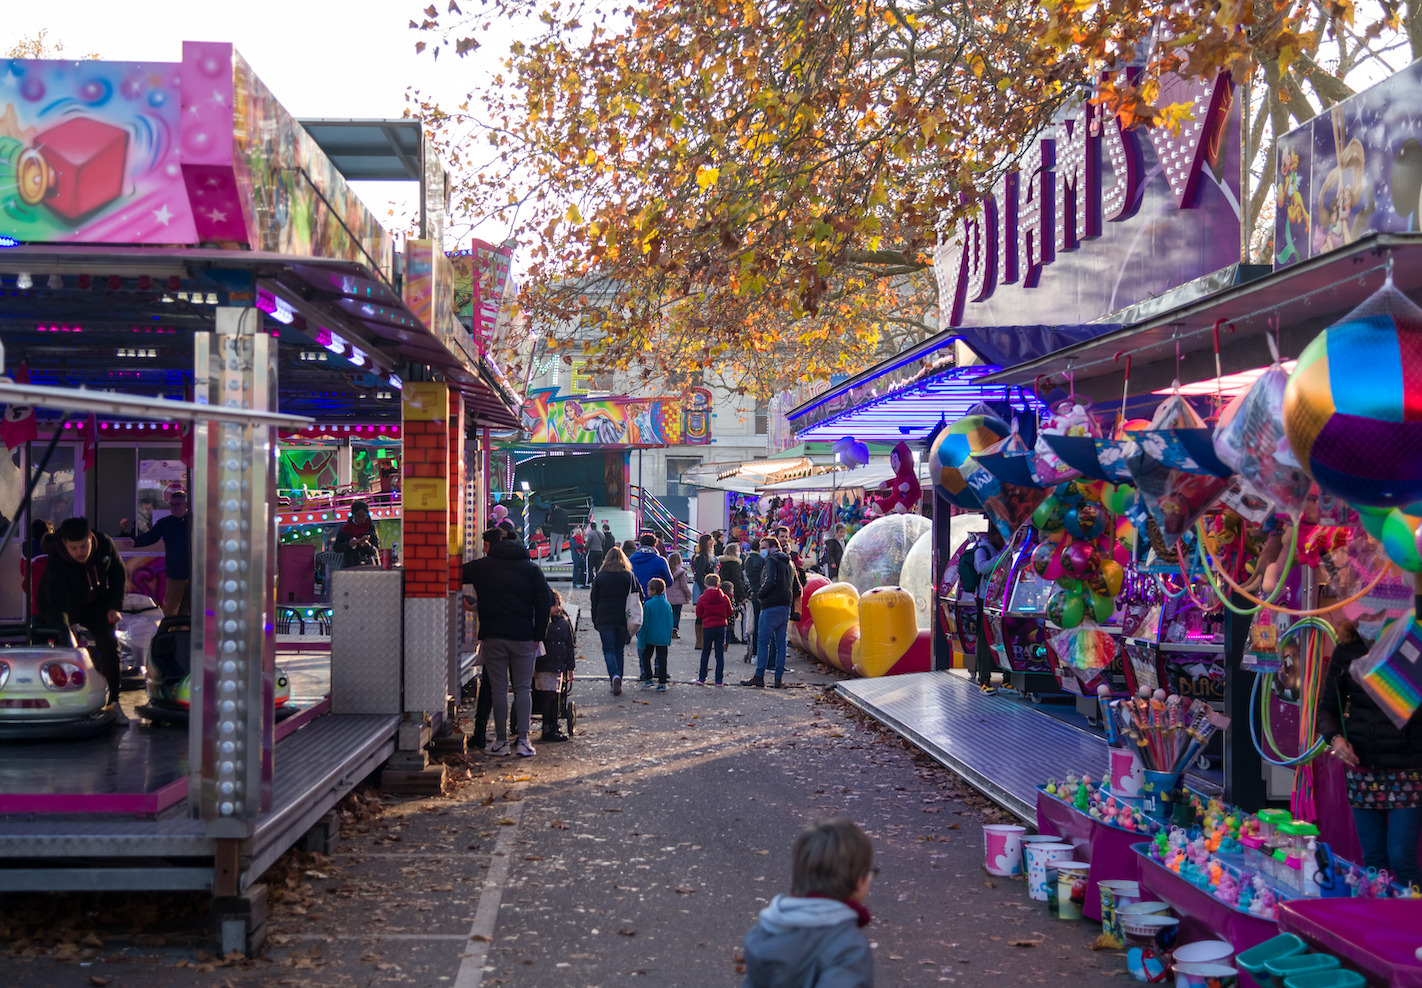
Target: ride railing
[(654, 516)]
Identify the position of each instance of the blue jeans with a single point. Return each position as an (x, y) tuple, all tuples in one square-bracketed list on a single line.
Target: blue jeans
[(580, 568), (614, 645), (774, 621), (713, 638), (1389, 839)]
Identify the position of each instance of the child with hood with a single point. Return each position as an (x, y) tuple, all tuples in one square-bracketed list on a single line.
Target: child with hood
[(812, 937)]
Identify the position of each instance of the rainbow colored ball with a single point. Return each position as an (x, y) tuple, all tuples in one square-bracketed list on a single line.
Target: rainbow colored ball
[(1353, 408), (951, 456)]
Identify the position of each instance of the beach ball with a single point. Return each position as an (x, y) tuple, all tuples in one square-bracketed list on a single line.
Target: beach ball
[(1353, 405), (1066, 610), (951, 456), (1399, 540)]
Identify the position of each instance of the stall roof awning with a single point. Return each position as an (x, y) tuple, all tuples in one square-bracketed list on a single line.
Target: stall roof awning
[(370, 150), (744, 476), (1301, 300), (333, 307), (910, 411), (877, 471)]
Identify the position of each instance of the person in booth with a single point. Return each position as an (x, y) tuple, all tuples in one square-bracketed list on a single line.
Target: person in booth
[(357, 541), (175, 532)]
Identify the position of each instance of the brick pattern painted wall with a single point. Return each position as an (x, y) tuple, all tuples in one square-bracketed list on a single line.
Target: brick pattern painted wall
[(457, 491), (425, 542)]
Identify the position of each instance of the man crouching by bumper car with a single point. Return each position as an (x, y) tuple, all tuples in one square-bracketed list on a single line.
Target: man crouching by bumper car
[(84, 584)]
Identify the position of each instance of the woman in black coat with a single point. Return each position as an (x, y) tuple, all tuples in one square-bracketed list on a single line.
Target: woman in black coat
[(1384, 762), (611, 587)]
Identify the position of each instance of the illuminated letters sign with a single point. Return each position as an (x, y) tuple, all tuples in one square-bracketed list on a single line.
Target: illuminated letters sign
[(1100, 216)]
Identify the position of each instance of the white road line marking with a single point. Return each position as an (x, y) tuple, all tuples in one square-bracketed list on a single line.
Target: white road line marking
[(471, 966)]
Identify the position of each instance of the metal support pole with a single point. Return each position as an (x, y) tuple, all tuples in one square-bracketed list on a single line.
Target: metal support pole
[(234, 592), (1244, 784)]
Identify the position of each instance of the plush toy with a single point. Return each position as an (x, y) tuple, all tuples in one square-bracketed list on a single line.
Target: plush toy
[(905, 493)]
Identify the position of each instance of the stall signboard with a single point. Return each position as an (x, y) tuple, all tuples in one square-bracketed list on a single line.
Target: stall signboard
[(1352, 170), (429, 290), (1100, 216), (90, 153), (602, 421), (197, 151), (312, 469)]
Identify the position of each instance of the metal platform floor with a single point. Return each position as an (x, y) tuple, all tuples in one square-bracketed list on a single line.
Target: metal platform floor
[(1001, 745), (314, 768)]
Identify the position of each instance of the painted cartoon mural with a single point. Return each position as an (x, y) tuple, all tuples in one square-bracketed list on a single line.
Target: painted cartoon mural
[(602, 421), (89, 153), (1354, 169), (312, 469), (197, 151)]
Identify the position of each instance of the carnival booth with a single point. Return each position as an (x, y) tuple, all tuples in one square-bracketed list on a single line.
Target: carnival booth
[(190, 281), (1245, 439)]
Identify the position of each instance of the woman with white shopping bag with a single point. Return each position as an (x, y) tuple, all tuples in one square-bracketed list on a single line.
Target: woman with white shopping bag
[(616, 612)]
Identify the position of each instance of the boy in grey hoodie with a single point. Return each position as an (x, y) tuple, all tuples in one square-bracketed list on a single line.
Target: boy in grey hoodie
[(811, 938)]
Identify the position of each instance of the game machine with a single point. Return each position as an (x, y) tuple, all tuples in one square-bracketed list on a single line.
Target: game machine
[(1172, 639), (1015, 609), (957, 607)]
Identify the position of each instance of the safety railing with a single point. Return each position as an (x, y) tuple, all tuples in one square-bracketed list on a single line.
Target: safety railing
[(654, 516)]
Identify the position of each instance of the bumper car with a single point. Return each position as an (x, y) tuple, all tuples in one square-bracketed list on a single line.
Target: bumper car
[(51, 691), (168, 679)]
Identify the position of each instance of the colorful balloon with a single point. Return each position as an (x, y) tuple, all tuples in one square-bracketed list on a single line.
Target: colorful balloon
[(1353, 405), (951, 455), (1113, 575), (1086, 520), (1079, 559), (1118, 498), (1399, 540), (1049, 516), (1102, 607), (1066, 610), (1372, 519), (1042, 557)]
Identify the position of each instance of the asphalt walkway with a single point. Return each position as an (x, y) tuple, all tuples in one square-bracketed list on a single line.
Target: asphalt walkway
[(642, 849)]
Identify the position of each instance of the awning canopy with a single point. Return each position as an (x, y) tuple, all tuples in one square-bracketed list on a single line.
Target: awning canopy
[(910, 411), (874, 473), (746, 476), (1300, 301)]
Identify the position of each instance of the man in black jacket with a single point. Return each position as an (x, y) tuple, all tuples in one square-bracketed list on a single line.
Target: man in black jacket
[(513, 599), (558, 522), (779, 587), (834, 551), (754, 569), (84, 584)]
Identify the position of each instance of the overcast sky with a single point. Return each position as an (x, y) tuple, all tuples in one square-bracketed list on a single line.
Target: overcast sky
[(321, 58)]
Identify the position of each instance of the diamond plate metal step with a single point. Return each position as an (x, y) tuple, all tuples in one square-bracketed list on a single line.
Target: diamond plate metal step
[(1001, 746)]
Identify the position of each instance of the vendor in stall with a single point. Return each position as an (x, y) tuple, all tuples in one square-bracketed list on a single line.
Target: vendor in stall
[(1383, 762), (175, 532), (357, 541)]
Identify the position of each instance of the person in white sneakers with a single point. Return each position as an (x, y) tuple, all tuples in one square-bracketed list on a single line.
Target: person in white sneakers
[(514, 601)]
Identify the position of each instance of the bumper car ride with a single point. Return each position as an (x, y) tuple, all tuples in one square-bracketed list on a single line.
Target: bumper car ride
[(50, 693), (170, 700)]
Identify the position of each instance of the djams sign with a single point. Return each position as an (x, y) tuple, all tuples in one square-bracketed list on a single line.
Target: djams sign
[(1095, 200)]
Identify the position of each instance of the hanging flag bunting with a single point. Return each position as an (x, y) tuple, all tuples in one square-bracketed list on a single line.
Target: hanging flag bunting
[(91, 440), (18, 425)]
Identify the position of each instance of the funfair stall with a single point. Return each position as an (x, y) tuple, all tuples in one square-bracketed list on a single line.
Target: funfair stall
[(1247, 440), (186, 271)]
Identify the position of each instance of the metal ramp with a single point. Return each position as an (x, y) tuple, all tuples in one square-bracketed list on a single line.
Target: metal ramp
[(314, 769), (1001, 746)]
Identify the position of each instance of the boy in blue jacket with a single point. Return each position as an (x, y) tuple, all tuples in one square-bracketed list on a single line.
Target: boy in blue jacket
[(656, 634), (812, 937)]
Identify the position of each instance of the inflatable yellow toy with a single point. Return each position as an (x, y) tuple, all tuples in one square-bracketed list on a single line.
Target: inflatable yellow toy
[(875, 634)]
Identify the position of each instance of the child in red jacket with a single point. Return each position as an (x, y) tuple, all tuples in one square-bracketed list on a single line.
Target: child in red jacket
[(714, 610)]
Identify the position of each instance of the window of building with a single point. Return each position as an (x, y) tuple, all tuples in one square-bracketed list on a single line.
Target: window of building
[(762, 417), (676, 465)]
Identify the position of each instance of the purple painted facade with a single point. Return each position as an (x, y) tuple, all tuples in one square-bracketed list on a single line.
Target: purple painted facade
[(1100, 217)]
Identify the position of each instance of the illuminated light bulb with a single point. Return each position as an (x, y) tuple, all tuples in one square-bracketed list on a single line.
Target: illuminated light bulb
[(24, 281)]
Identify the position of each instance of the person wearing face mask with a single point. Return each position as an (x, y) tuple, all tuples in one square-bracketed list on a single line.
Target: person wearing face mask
[(1383, 762)]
